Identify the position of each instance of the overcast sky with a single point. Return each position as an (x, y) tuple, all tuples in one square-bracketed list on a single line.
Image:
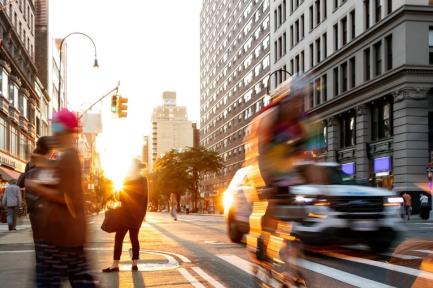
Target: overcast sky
[(149, 45)]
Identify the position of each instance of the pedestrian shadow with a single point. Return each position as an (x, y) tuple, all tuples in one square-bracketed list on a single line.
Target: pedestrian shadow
[(111, 280), (137, 279)]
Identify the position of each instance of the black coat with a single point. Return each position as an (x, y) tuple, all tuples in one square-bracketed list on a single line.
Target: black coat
[(134, 199)]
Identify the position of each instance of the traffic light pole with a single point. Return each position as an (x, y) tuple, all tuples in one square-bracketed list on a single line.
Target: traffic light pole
[(116, 89)]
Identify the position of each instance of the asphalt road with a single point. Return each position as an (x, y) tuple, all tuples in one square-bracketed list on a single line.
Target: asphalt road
[(195, 252)]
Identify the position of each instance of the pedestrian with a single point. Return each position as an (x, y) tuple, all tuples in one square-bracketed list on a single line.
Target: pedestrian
[(134, 199), (12, 200), (61, 253), (173, 206), (407, 203), (425, 207)]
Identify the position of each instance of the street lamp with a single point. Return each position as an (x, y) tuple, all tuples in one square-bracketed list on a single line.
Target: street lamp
[(275, 72), (95, 63)]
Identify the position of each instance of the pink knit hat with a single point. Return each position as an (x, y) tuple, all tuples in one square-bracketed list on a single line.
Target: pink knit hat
[(67, 119)]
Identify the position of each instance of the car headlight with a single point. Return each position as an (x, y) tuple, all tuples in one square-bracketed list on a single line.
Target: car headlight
[(227, 200), (393, 201), (311, 201)]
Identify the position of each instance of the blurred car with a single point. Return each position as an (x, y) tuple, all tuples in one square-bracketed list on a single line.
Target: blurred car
[(327, 209)]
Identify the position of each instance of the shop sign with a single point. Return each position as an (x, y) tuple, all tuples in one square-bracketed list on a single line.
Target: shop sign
[(382, 166), (348, 168), (8, 161)]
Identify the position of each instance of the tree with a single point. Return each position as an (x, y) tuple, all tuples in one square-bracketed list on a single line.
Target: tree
[(197, 162), (170, 176), (181, 171)]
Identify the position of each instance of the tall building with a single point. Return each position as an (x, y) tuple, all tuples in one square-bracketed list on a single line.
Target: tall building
[(47, 58), (21, 92), (235, 61), (369, 65), (171, 128), (146, 153)]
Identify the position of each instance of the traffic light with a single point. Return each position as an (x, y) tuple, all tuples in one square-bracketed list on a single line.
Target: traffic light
[(114, 103), (122, 107)]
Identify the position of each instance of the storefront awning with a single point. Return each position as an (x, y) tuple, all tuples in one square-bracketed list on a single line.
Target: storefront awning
[(8, 174)]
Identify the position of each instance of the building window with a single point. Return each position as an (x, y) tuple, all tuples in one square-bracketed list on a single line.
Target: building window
[(275, 19), (317, 89), (302, 62), (284, 43), (311, 95), (284, 11), (14, 141), (325, 9), (311, 55), (344, 30), (352, 67), (367, 14), (377, 50), (291, 37), (352, 24), (325, 87), (336, 37), (302, 27), (347, 126), (367, 66), (335, 76), (280, 16), (430, 44), (280, 47), (276, 51), (381, 120), (311, 18), (3, 134), (317, 12), (389, 6), (325, 45), (378, 10), (335, 4), (318, 51), (292, 67), (297, 31), (388, 49), (344, 78)]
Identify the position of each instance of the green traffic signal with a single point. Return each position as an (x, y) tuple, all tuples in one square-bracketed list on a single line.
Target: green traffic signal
[(114, 104)]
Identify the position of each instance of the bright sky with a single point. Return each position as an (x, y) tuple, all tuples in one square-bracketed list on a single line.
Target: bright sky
[(149, 46)]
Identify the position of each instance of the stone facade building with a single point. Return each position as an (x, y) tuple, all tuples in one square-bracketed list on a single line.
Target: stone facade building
[(369, 66)]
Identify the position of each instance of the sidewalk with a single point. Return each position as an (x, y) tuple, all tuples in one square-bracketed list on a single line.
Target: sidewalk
[(22, 223)]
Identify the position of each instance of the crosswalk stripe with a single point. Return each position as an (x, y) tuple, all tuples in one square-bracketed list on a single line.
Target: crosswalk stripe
[(388, 266), (191, 279), (402, 256), (424, 251), (339, 275), (208, 278)]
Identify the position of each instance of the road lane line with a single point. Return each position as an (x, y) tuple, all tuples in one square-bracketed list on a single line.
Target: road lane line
[(208, 278), (180, 256), (402, 256), (424, 251), (16, 251), (388, 266), (240, 263), (333, 273), (191, 279)]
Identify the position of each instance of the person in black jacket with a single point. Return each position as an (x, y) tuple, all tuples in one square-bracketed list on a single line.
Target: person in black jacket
[(134, 199)]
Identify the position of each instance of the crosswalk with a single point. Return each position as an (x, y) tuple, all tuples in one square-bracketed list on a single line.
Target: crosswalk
[(381, 263)]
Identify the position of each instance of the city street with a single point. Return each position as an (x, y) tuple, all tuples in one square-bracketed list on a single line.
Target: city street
[(195, 252)]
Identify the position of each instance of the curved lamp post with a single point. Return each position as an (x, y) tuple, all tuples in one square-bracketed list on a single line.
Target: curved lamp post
[(270, 75), (95, 64)]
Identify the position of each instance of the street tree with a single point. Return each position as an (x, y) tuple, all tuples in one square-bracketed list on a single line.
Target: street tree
[(198, 161)]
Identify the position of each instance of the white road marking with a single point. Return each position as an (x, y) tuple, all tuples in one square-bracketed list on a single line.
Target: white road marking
[(191, 279), (388, 266), (16, 251), (424, 251), (339, 275), (240, 263), (402, 256), (208, 278), (181, 257)]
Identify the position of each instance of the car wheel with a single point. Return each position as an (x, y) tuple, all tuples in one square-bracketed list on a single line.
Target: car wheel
[(234, 233), (379, 246)]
